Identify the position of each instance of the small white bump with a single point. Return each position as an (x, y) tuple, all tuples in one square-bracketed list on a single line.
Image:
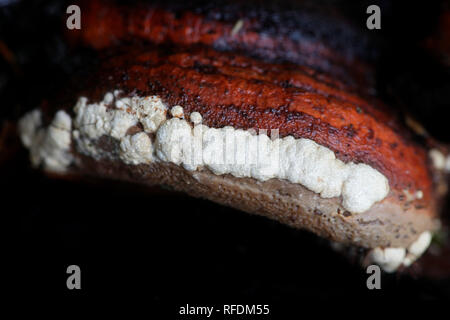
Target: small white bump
[(109, 98), (419, 246), (177, 112), (196, 118)]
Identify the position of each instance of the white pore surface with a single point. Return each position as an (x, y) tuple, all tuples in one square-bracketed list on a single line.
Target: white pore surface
[(185, 141)]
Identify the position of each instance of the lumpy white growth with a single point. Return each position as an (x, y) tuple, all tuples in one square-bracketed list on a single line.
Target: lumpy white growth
[(312, 165), (390, 259), (196, 118), (417, 248), (150, 111), (173, 141), (177, 112), (246, 154), (363, 186), (28, 127), (49, 147), (421, 244), (136, 149), (97, 119), (185, 141), (94, 120)]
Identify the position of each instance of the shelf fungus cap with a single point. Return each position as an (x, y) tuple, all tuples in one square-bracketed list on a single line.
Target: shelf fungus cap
[(312, 155)]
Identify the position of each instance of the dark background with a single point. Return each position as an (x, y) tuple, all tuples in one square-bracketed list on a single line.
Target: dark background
[(167, 248)]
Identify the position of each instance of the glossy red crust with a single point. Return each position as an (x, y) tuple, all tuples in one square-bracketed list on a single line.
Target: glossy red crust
[(230, 89), (321, 40)]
